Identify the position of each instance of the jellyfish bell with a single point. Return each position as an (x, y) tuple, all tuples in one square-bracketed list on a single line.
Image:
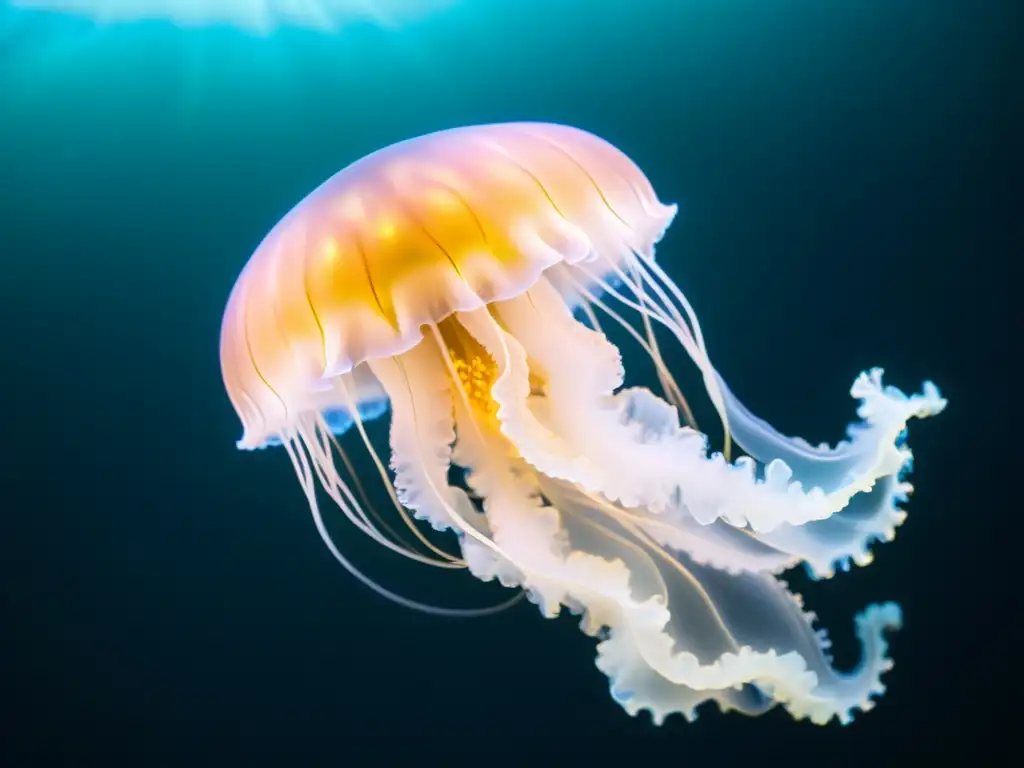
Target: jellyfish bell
[(410, 235), (459, 277)]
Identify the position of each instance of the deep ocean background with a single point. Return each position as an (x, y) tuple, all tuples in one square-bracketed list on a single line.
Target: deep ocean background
[(850, 186)]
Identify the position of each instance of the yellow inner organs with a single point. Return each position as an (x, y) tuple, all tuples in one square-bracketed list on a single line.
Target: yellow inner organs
[(475, 369), (477, 376), (476, 372)]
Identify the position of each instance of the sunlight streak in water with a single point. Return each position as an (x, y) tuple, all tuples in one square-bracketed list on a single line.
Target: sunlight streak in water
[(194, 47), (255, 16)]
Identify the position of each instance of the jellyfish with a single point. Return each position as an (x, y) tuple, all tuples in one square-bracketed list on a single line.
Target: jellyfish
[(259, 16), (465, 284)]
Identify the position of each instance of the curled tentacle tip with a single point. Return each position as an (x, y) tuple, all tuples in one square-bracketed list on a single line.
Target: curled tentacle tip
[(888, 615)]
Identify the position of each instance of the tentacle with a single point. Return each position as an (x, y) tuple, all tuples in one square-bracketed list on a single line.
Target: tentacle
[(740, 640), (536, 442), (525, 531), (422, 432), (642, 290), (630, 446), (648, 672), (310, 440), (422, 429), (874, 459), (584, 297), (762, 616), (307, 479), (676, 634), (717, 544), (711, 489)]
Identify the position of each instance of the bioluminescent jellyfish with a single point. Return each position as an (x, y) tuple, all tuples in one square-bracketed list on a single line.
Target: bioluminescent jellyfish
[(459, 282), (251, 15)]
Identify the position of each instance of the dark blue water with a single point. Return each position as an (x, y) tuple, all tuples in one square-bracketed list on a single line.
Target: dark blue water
[(848, 180)]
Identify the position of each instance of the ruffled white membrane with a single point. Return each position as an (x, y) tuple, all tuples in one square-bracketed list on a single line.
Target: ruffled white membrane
[(700, 616), (597, 498), (259, 16)]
